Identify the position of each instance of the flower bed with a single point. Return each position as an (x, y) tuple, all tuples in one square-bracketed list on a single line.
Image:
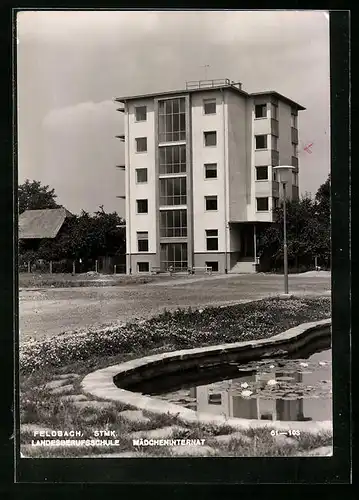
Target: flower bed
[(175, 330)]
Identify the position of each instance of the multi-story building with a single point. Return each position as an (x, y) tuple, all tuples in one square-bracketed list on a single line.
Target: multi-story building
[(199, 179)]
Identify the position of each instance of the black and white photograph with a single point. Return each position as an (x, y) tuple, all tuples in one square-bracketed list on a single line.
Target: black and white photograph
[(174, 234)]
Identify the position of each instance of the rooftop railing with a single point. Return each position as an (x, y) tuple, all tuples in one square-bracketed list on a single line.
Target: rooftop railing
[(201, 84)]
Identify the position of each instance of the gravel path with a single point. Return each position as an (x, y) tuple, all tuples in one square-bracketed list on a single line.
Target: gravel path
[(48, 312)]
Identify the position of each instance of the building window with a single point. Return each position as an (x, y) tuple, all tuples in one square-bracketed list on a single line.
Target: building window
[(172, 159), (275, 202), (274, 143), (141, 175), (210, 170), (141, 144), (294, 120), (262, 173), (209, 106), (173, 223), (261, 142), (261, 111), (212, 239), (172, 120), (213, 265), (174, 255), (173, 191), (262, 205), (142, 241), (274, 111), (294, 149), (210, 138), (141, 113), (215, 399), (143, 267), (142, 206), (274, 176), (211, 202)]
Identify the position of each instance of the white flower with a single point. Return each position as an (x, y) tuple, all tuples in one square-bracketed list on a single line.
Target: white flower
[(322, 363), (271, 382), (200, 310), (245, 385), (271, 366), (245, 394), (303, 364)]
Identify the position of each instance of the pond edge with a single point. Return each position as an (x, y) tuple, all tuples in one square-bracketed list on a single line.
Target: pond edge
[(100, 383)]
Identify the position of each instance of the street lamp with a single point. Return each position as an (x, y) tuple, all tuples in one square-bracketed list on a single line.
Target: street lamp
[(284, 173)]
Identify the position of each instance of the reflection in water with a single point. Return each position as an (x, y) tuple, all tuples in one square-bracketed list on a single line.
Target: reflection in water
[(233, 404), (291, 390)]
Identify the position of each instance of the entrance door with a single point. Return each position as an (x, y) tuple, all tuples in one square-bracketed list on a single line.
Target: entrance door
[(248, 241)]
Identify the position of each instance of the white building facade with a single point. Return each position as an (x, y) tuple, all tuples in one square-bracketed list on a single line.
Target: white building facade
[(199, 179)]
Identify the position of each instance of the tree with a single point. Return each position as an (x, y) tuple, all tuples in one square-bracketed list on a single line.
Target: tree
[(301, 230), (33, 196), (323, 209), (322, 200), (87, 237), (308, 232)]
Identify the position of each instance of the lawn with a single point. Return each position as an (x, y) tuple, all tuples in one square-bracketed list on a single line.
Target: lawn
[(79, 354), (65, 280)]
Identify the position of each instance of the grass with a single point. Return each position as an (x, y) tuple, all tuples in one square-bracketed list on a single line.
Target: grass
[(48, 411), (65, 280), (43, 361), (171, 331), (263, 444)]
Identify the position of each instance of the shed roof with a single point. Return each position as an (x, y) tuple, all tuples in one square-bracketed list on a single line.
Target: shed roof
[(38, 224)]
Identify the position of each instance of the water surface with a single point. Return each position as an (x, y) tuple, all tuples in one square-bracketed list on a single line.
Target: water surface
[(275, 389)]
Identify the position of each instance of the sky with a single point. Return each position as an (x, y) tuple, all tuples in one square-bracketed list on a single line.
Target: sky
[(72, 64)]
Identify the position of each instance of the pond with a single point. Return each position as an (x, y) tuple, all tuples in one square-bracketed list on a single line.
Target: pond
[(291, 389)]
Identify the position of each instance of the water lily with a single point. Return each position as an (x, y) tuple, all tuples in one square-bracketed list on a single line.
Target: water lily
[(245, 385), (271, 366), (246, 394), (303, 364), (272, 382)]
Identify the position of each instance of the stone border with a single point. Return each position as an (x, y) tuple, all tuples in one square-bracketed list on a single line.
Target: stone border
[(101, 383)]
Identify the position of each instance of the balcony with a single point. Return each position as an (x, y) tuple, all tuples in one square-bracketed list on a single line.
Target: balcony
[(275, 158), (262, 126), (295, 162), (295, 192), (294, 135), (267, 188), (275, 188), (262, 157), (274, 127)]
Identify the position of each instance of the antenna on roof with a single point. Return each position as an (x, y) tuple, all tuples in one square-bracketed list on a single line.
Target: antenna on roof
[(205, 67)]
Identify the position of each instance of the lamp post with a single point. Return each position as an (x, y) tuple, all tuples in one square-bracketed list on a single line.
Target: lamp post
[(284, 171)]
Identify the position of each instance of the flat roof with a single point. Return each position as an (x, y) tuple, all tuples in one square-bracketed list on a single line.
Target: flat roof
[(206, 89), (279, 96), (182, 91)]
